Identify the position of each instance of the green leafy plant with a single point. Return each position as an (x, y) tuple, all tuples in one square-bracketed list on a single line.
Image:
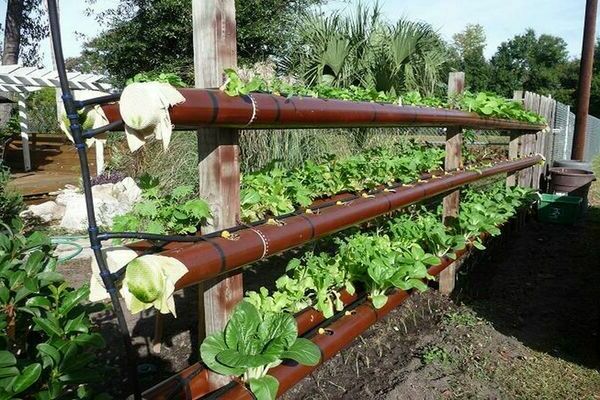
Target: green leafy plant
[(176, 212), (485, 104), (11, 202), (380, 265), (47, 346), (252, 343), (162, 77), (274, 191)]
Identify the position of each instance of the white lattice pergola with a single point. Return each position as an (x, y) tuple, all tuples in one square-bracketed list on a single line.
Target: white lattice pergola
[(24, 80)]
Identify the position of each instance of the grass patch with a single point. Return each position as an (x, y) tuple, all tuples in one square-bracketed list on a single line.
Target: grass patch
[(545, 377), (435, 355)]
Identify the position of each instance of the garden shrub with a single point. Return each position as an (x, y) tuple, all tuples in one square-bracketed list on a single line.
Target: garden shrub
[(47, 345), (11, 202)]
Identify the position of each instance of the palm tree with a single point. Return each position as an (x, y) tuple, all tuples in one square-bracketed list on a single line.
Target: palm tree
[(363, 49)]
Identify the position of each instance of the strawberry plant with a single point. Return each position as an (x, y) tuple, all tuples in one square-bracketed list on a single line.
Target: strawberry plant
[(252, 343), (176, 212), (273, 191)]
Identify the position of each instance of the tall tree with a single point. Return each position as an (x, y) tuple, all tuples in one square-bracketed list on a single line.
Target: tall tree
[(156, 36), (12, 32), (531, 63), (469, 45), (25, 26)]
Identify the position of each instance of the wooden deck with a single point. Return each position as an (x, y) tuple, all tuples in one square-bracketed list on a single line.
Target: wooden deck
[(54, 164)]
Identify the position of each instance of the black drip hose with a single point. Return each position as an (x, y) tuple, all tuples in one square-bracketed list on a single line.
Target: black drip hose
[(95, 242)]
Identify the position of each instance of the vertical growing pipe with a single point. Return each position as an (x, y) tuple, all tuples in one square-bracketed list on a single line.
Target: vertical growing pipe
[(95, 243), (585, 79)]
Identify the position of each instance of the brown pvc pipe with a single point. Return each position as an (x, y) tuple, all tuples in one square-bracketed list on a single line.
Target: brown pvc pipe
[(193, 382), (214, 108), (337, 336), (288, 375), (218, 255)]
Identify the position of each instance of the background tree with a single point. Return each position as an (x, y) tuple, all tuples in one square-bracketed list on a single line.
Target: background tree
[(469, 46), (24, 27), (530, 62), (156, 36), (363, 49)]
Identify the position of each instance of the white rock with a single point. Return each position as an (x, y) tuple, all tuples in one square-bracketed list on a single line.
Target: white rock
[(110, 200), (46, 212), (129, 190)]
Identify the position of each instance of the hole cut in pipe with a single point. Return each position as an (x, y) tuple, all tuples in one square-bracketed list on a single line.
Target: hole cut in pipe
[(326, 331)]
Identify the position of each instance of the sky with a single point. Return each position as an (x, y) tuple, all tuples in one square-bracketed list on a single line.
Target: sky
[(501, 19)]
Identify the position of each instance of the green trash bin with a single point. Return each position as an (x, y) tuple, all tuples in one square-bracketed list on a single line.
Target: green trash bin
[(559, 209)]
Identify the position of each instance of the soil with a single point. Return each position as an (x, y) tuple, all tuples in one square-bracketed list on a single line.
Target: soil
[(523, 323)]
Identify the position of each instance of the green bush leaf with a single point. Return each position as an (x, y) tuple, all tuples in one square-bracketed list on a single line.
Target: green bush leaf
[(7, 359), (50, 327), (51, 352), (28, 377)]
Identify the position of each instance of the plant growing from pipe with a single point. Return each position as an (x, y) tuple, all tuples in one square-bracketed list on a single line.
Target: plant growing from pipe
[(252, 343)]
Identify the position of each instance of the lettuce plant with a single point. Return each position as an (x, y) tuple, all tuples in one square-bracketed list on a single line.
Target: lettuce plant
[(378, 263), (252, 343)]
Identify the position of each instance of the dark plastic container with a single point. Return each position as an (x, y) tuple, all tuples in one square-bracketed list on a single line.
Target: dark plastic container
[(573, 164), (572, 182)]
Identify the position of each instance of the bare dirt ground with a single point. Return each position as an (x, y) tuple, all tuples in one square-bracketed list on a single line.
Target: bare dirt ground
[(524, 323)]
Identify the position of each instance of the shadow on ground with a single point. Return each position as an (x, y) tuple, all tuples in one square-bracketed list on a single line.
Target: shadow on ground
[(542, 286)]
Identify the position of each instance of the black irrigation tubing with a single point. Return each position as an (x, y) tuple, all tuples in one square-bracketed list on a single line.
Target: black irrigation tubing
[(96, 245), (96, 131)]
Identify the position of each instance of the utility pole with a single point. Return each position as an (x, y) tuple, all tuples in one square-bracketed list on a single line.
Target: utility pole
[(585, 79)]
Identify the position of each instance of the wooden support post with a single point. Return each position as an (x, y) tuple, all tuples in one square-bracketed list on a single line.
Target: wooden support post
[(451, 203), (219, 171), (513, 152)]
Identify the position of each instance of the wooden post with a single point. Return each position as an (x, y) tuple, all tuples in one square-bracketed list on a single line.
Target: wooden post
[(451, 203), (219, 171), (521, 140), (513, 152)]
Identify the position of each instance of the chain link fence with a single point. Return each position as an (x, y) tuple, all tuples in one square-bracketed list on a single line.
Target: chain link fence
[(563, 131)]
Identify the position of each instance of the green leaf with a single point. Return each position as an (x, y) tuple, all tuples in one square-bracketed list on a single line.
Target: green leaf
[(79, 324), (242, 325), (235, 359), (4, 294), (210, 347), (304, 352), (50, 276), (34, 262), (28, 377), (264, 388), (38, 301), (89, 339), (7, 359), (50, 327), (478, 245), (8, 372), (50, 351), (73, 299)]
